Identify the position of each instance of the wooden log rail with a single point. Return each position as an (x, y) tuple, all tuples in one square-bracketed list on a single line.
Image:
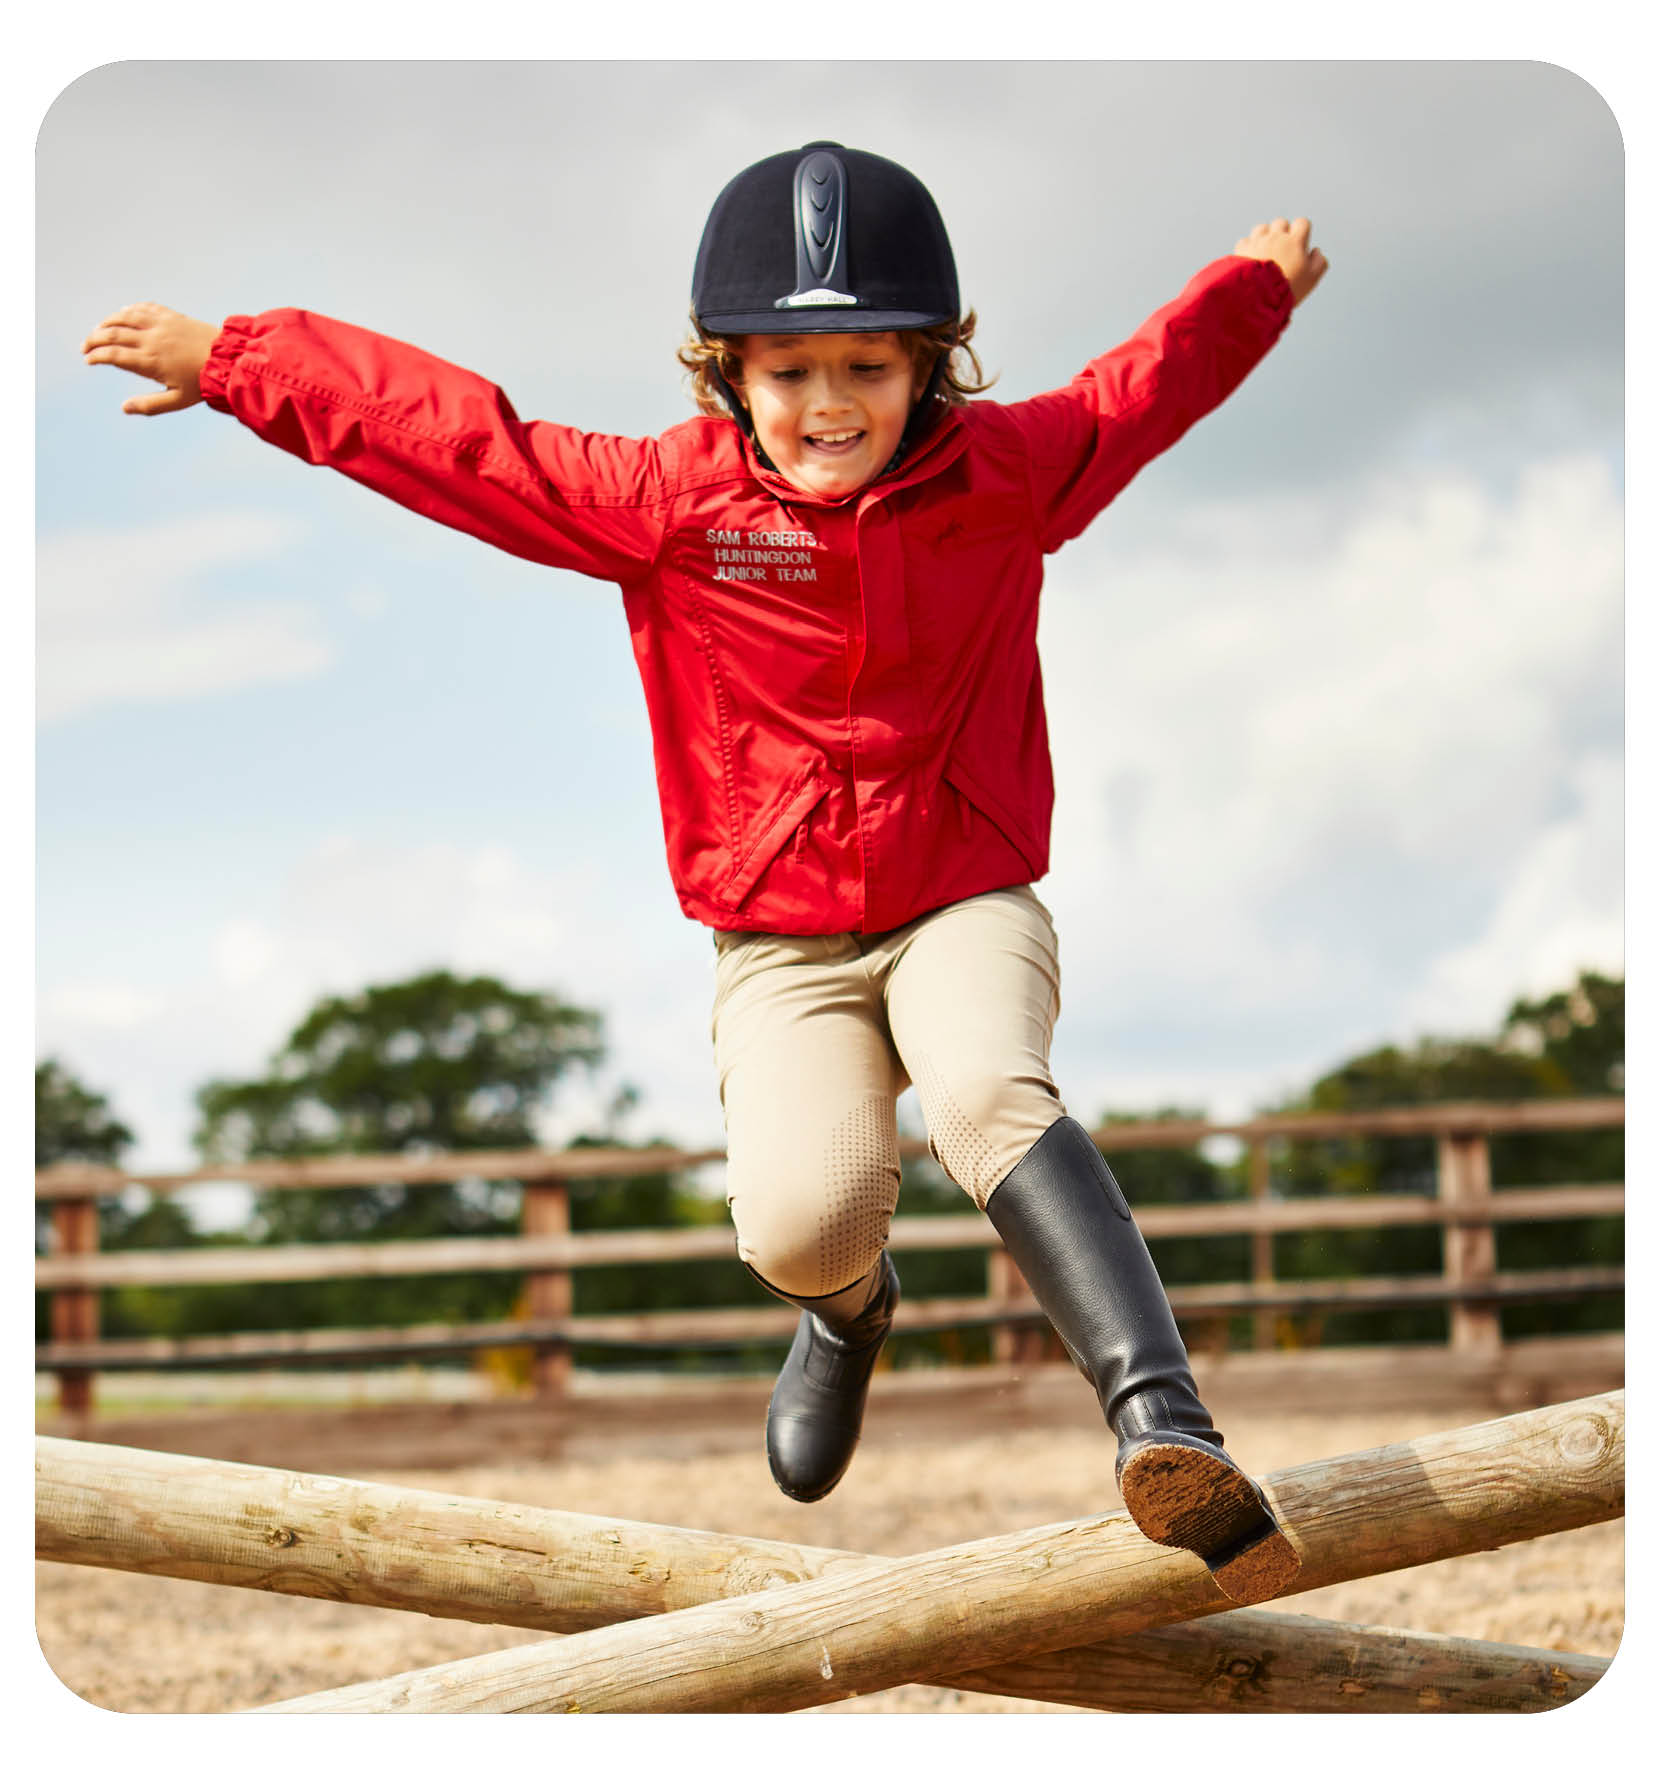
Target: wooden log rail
[(1453, 1118), (609, 1248), (1049, 1590), (672, 1329), (1466, 1209), (497, 1562)]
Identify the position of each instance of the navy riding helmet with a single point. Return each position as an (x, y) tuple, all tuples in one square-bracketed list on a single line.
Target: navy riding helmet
[(825, 239)]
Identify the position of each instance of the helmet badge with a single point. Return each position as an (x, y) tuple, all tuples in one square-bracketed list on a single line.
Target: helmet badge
[(819, 198)]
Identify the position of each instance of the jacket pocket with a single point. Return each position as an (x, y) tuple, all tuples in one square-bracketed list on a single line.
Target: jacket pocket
[(771, 834), (974, 794)]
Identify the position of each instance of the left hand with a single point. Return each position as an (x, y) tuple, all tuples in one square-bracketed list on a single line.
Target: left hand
[(1285, 243), (162, 345)]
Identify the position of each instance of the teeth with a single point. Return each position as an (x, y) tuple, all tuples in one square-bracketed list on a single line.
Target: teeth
[(834, 436)]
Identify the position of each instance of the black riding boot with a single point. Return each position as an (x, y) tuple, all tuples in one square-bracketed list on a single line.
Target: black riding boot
[(1063, 1219), (815, 1418)]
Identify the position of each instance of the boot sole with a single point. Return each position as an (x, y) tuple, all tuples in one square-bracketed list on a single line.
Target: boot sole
[(1183, 1498)]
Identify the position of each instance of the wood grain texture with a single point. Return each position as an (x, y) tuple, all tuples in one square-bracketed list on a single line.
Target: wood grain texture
[(928, 1618), (495, 1562)]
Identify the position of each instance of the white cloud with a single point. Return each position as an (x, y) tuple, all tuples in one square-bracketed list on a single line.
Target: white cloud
[(243, 951), (1316, 768), (354, 912), (1561, 912), (353, 909), (116, 619), (98, 1006)]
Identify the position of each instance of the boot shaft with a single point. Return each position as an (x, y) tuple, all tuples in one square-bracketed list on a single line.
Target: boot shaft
[(1064, 1220)]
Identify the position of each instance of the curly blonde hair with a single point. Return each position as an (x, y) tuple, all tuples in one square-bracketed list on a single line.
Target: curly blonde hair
[(710, 358)]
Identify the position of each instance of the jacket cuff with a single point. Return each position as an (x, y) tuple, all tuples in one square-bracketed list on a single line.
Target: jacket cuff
[(234, 337), (1273, 286)]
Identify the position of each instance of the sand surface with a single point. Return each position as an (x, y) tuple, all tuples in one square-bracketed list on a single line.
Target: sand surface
[(925, 1477)]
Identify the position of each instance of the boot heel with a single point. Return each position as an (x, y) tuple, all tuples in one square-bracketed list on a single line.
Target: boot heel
[(1186, 1496)]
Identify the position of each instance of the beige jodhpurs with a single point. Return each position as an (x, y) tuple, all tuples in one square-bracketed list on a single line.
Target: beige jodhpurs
[(815, 1037)]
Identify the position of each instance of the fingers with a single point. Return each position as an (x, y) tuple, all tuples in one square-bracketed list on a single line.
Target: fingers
[(1299, 229), (127, 326), (171, 399), (137, 314), (105, 348)]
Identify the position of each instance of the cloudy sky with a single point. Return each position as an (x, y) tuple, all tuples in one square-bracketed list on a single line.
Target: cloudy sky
[(1335, 687)]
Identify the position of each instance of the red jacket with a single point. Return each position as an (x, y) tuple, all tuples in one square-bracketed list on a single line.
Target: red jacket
[(845, 695)]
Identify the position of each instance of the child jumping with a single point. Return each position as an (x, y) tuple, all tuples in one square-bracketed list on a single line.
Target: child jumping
[(832, 578)]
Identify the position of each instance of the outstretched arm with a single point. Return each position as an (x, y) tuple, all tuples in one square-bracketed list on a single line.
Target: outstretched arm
[(154, 341), (436, 438)]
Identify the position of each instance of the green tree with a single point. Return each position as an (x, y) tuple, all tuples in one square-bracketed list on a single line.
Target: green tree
[(432, 1063), (72, 1124), (1580, 1033), (75, 1124), (1568, 1043)]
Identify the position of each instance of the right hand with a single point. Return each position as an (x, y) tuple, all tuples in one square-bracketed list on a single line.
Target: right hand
[(151, 340), (1285, 243)]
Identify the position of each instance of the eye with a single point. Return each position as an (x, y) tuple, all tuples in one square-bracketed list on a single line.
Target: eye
[(786, 374)]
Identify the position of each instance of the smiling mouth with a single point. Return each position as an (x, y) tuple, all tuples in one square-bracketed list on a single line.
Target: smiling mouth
[(835, 442)]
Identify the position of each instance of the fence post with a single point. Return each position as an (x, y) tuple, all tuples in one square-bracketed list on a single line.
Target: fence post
[(1463, 1177), (545, 1212), (75, 1312), (1261, 1243), (1008, 1345)]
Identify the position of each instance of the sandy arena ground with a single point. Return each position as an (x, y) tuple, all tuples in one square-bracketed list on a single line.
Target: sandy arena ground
[(930, 1472)]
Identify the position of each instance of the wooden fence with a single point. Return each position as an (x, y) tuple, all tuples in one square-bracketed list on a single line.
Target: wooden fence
[(1465, 1205)]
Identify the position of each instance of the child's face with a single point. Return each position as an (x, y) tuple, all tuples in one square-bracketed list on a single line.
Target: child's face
[(829, 407)]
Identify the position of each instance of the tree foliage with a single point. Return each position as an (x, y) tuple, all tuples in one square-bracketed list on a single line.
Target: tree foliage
[(430, 1063), (1569, 1043), (436, 1062), (72, 1123)]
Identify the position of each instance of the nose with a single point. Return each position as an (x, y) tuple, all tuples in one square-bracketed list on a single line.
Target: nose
[(830, 392)]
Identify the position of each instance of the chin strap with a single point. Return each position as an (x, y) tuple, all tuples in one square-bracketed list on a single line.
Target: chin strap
[(925, 408), (743, 422)]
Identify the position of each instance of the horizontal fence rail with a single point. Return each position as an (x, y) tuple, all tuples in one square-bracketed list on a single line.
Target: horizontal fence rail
[(1466, 1209), (617, 1248), (66, 1180), (673, 1329)]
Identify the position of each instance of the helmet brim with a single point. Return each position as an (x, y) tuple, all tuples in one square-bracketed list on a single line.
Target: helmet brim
[(820, 319)]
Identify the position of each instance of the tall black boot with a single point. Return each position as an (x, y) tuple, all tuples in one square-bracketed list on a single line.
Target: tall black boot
[(815, 1418), (1068, 1228)]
